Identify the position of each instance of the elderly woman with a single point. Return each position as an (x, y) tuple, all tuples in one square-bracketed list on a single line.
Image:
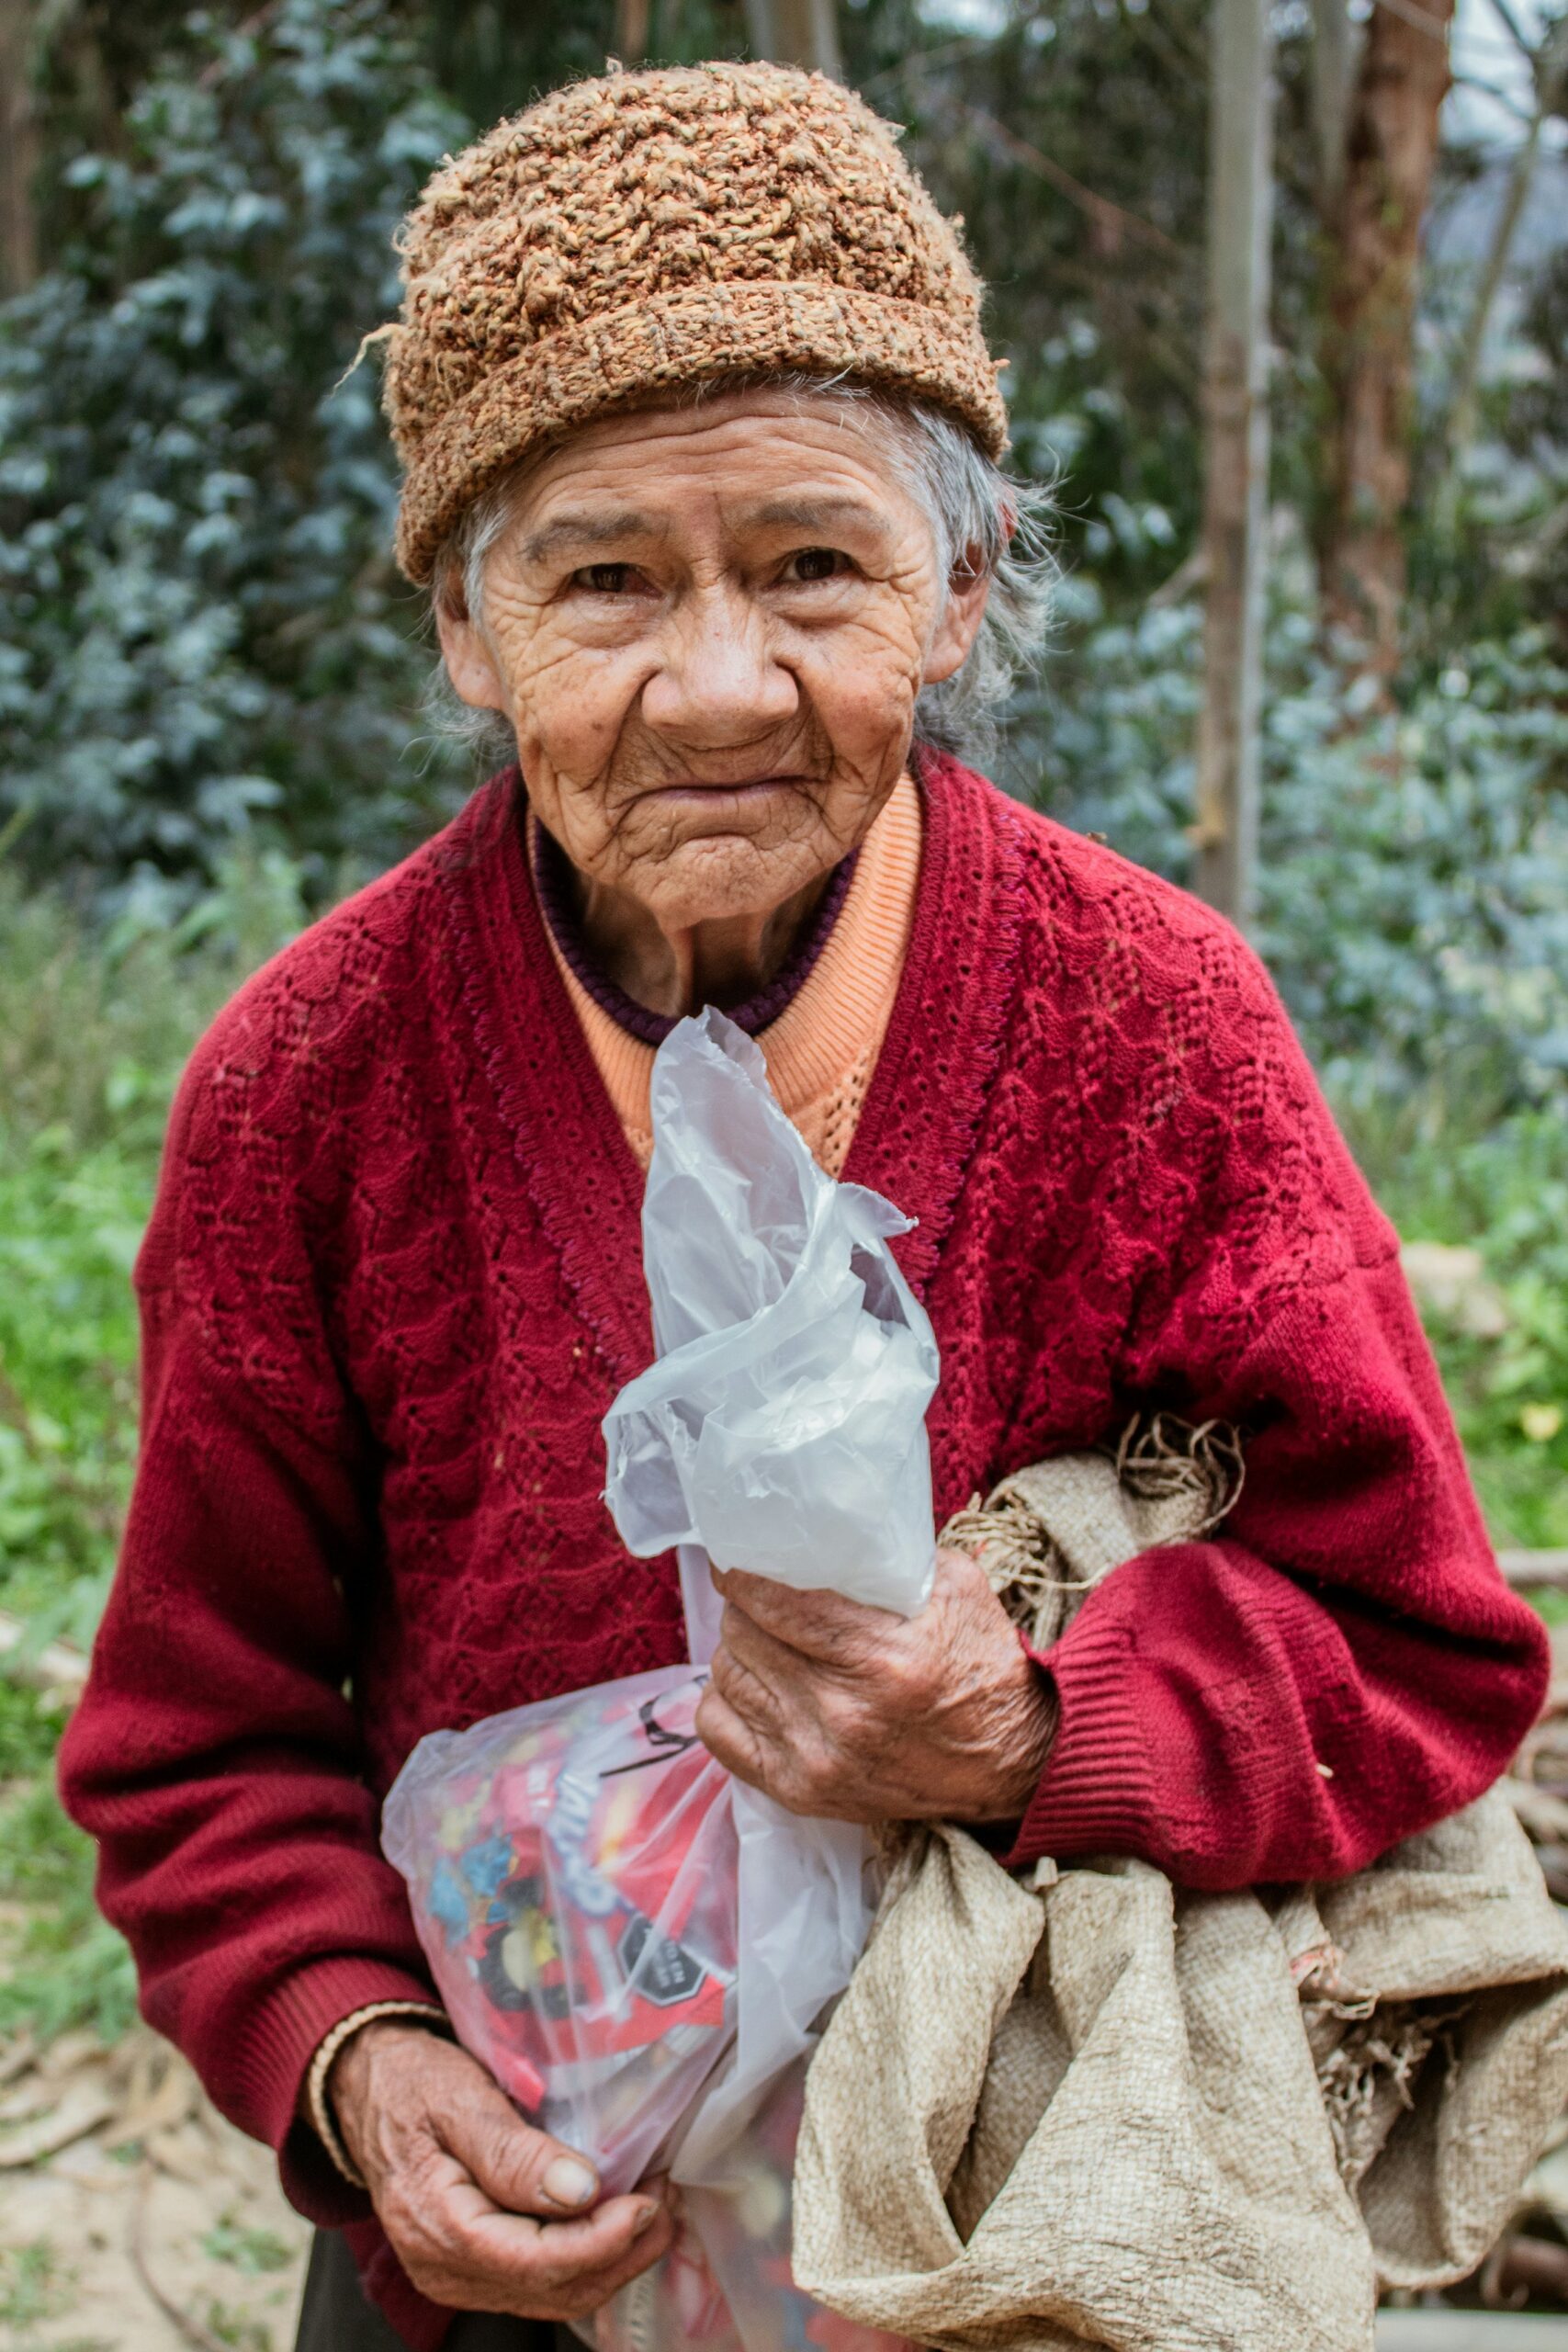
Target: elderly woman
[(701, 440)]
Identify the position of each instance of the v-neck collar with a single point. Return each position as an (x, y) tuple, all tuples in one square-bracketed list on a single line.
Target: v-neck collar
[(920, 1119)]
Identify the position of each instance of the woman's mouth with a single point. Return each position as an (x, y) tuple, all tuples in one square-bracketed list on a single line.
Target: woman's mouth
[(724, 798)]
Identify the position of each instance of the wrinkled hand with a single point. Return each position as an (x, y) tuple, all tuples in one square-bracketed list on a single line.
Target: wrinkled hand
[(484, 2213), (854, 1714)]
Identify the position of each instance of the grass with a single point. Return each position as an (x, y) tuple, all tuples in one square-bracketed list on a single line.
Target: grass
[(34, 2284), (235, 2328), (66, 1966), (1501, 1188), (251, 2252), (92, 1033)]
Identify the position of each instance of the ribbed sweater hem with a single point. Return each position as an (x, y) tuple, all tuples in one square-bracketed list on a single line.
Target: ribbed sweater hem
[(1093, 1796), (284, 2030)]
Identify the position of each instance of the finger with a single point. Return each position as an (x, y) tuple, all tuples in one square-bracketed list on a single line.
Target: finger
[(762, 1654), (548, 2257), (518, 2168), (956, 1572), (734, 1742), (576, 2297), (751, 1693), (477, 2259), (596, 2288), (822, 1625)]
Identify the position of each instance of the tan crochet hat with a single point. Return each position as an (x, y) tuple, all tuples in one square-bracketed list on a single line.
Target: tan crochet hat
[(631, 236)]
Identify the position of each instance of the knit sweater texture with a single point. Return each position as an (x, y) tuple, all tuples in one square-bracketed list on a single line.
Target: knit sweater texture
[(393, 1281)]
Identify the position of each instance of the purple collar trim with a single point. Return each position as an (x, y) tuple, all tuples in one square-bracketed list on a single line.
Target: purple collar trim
[(552, 881)]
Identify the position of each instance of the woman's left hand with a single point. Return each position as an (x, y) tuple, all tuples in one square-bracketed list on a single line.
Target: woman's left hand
[(852, 1714)]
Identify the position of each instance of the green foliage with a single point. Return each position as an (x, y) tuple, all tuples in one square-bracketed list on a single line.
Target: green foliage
[(92, 1033), (94, 1028), (31, 2283), (1414, 873), (65, 1966), (29, 1729), (1414, 885), (204, 626), (235, 2328), (1445, 1174), (245, 2248)]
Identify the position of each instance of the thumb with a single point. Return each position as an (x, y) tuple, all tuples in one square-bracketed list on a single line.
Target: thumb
[(519, 2168)]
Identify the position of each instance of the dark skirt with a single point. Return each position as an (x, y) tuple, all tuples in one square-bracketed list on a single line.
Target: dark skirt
[(335, 2316)]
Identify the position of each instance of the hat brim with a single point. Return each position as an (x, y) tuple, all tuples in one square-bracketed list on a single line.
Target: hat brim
[(632, 358)]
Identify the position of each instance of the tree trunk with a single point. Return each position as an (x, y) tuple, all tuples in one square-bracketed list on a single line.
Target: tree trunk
[(796, 32), (19, 148), (1552, 86), (1335, 42), (631, 30), (1236, 452), (1370, 333)]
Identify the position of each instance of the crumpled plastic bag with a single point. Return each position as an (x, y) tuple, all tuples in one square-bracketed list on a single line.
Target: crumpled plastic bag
[(783, 1427), (636, 1946)]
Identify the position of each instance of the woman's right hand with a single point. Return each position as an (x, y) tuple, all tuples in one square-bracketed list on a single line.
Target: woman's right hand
[(484, 2213)]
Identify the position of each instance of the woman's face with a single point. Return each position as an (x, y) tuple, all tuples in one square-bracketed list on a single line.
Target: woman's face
[(707, 628)]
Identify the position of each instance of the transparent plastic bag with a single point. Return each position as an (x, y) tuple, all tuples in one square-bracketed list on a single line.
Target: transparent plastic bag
[(572, 1870), (638, 1947), (783, 1427), (726, 2284)]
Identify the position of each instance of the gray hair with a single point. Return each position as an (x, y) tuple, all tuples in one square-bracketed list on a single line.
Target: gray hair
[(982, 520)]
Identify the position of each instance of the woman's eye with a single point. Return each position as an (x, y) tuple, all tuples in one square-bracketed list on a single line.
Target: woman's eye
[(816, 563), (611, 579)]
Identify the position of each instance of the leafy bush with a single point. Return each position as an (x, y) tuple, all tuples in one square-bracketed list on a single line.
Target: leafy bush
[(203, 623), (68, 1967), (92, 1033), (1502, 1191), (94, 1030), (1413, 869), (1414, 889)]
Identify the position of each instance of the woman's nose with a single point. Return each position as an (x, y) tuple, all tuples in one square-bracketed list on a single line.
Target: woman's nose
[(719, 682)]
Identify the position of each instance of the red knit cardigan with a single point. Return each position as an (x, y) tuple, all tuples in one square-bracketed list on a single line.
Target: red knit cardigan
[(394, 1280)]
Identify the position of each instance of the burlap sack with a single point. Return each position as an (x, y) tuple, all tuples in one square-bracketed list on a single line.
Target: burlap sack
[(1097, 2110)]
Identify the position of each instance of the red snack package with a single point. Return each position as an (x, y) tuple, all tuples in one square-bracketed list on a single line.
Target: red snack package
[(572, 1872)]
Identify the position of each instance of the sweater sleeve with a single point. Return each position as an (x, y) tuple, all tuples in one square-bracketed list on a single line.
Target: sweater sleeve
[(1344, 1664), (214, 1754)]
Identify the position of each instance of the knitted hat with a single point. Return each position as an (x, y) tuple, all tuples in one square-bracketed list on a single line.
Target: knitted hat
[(627, 237)]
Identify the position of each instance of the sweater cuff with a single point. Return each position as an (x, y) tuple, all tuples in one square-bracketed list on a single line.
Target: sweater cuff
[(1093, 1796), (318, 2106), (286, 2030)]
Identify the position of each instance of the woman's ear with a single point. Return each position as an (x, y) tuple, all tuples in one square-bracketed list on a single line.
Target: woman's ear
[(469, 662), (956, 630)]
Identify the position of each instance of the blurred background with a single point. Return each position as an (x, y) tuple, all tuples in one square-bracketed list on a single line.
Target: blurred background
[(1284, 293)]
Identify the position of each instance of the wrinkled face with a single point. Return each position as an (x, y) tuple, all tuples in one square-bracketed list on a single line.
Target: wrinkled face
[(707, 628)]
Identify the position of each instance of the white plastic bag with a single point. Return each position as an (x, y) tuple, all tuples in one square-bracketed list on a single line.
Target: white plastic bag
[(727, 2283), (782, 1428), (638, 1947)]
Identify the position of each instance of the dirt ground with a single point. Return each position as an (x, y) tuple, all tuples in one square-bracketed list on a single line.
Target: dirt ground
[(133, 2217)]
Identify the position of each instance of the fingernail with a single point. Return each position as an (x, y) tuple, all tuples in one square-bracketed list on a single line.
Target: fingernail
[(567, 2181), (647, 2216)]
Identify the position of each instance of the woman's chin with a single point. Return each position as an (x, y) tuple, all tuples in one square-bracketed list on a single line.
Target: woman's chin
[(726, 878)]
